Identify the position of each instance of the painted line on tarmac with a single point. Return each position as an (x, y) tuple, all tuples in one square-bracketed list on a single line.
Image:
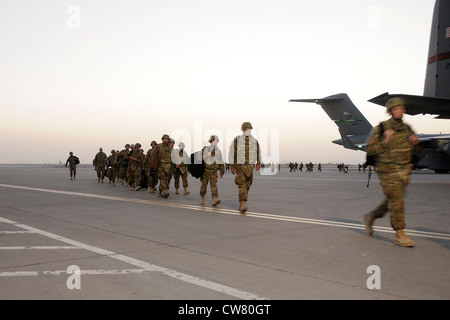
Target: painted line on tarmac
[(417, 233), (64, 272), (145, 266)]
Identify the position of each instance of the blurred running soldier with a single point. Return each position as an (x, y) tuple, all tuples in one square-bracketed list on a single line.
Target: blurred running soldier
[(393, 143)]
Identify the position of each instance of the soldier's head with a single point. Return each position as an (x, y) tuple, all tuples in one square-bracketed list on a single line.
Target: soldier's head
[(132, 146), (137, 146), (153, 144), (214, 140), (100, 150), (165, 138), (127, 146), (113, 151), (172, 142), (246, 127), (396, 107), (71, 153)]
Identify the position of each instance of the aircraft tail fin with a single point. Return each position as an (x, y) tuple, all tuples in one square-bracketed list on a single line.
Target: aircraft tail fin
[(437, 80), (352, 124)]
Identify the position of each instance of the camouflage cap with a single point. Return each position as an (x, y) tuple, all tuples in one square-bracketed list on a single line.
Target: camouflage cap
[(246, 125), (395, 102), (165, 136)]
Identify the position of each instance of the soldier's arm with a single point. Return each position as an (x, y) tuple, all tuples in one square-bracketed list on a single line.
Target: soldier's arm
[(376, 143), (258, 156), (231, 156)]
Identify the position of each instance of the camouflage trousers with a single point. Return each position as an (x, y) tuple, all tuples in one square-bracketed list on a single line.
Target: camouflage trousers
[(73, 170), (394, 187), (183, 176), (112, 174), (163, 175), (244, 180), (211, 177), (134, 175), (100, 171), (123, 173)]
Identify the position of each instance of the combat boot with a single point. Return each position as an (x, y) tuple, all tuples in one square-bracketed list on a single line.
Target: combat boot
[(176, 191), (138, 188), (242, 207), (202, 200), (150, 190), (367, 220), (186, 191), (402, 240), (216, 201)]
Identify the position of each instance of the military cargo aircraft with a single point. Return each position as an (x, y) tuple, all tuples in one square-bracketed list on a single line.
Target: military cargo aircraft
[(354, 127)]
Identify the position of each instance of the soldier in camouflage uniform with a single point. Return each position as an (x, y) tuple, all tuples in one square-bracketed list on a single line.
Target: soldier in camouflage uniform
[(163, 154), (124, 157), (172, 169), (112, 171), (72, 165), (180, 158), (135, 167), (393, 143), (147, 166), (213, 162), (100, 164), (127, 157), (244, 153)]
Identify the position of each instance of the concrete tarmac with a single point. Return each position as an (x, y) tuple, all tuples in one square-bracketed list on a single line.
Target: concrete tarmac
[(301, 239)]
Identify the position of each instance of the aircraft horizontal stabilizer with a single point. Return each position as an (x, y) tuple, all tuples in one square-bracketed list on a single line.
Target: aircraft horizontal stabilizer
[(353, 126), (419, 104), (318, 101)]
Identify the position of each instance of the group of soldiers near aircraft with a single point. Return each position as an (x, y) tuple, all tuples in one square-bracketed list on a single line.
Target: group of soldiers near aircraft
[(392, 144), (135, 169)]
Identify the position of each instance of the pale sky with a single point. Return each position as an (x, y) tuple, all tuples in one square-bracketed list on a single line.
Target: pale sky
[(78, 75)]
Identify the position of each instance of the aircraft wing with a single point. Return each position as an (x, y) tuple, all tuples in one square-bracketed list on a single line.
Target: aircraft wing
[(430, 137), (419, 104)]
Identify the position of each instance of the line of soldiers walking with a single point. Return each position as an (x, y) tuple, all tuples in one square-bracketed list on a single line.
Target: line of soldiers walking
[(137, 170), (133, 168)]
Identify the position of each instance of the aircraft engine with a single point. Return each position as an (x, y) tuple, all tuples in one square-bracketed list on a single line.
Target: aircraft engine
[(446, 149)]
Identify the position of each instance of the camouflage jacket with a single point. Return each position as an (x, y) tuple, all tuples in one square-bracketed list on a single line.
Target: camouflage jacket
[(398, 151)]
